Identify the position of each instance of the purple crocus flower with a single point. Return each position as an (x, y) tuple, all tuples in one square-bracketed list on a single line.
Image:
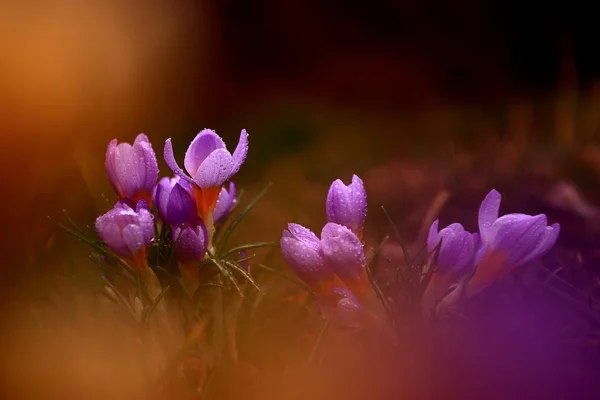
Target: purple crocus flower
[(519, 238), (127, 231), (225, 203), (342, 306), (174, 201), (347, 205), (132, 169), (344, 253), (301, 249), (209, 165), (191, 247), (458, 251)]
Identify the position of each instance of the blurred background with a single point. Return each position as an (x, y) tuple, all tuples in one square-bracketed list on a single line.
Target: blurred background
[(416, 97)]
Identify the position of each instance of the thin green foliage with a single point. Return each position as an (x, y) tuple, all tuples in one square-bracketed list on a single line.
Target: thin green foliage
[(231, 227), (249, 246), (288, 278), (148, 311)]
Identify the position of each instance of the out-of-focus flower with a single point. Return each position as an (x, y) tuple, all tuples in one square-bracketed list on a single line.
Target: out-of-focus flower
[(192, 242), (225, 203), (344, 254), (132, 169), (457, 253), (510, 240), (127, 231), (174, 201), (209, 165), (244, 260), (301, 249), (347, 205), (343, 307)]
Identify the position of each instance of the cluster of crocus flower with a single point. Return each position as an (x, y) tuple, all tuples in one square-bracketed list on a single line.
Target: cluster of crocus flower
[(188, 206), (333, 266), (503, 243)]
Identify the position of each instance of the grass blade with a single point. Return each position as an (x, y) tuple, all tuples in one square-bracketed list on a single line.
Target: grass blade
[(150, 310), (230, 228), (288, 278), (249, 246)]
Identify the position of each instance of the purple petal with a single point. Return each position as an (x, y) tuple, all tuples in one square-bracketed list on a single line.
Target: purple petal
[(181, 207), (433, 238), (488, 213), (141, 138), (192, 243), (303, 234), (517, 235), (347, 205), (457, 248), (215, 169), (149, 163), (338, 204), (172, 163), (161, 196), (110, 233), (124, 230), (344, 308), (127, 160), (359, 200), (203, 144), (133, 238), (548, 240), (303, 254), (240, 153), (224, 203), (111, 168), (343, 251)]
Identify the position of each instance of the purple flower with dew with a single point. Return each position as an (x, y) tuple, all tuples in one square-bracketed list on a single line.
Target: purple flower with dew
[(344, 253), (191, 247), (342, 306), (127, 231), (174, 201), (225, 203), (515, 238), (301, 249), (458, 251), (347, 205), (132, 169), (209, 165)]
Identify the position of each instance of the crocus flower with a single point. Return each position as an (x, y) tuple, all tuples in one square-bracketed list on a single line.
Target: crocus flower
[(127, 231), (225, 203), (458, 254), (174, 201), (343, 307), (347, 205), (132, 170), (510, 240), (301, 249), (344, 253), (191, 245), (458, 249), (209, 165)]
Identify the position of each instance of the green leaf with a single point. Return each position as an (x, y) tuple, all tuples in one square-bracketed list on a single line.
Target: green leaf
[(231, 227), (288, 278), (249, 246), (225, 272), (398, 238), (244, 273), (148, 312)]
